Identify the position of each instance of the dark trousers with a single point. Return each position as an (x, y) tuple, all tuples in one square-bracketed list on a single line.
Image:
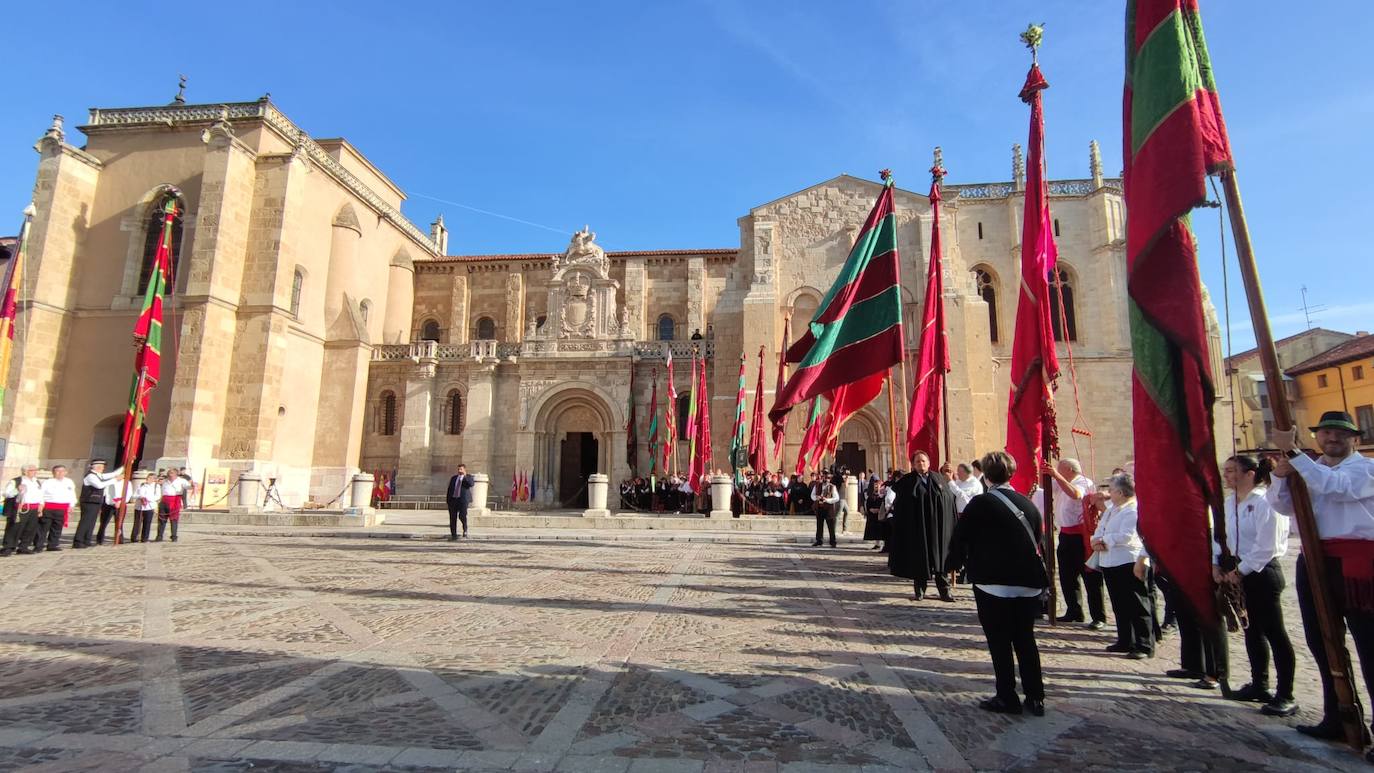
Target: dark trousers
[(1170, 602), (143, 525), (85, 526), (107, 514), (1009, 626), (1069, 551), (50, 529), (31, 536), (457, 513), (1266, 631), (1198, 649), (12, 529), (825, 518), (162, 526), (1358, 622), (1131, 607)]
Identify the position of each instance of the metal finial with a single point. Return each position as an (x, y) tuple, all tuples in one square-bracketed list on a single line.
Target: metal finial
[(1032, 37), (937, 171), (886, 176), (180, 98)]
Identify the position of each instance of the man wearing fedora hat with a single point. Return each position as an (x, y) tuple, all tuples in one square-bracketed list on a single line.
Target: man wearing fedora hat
[(1341, 485)]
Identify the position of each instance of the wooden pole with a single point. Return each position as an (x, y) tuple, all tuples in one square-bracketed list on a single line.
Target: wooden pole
[(1047, 519), (892, 416), (1331, 625), (130, 451)]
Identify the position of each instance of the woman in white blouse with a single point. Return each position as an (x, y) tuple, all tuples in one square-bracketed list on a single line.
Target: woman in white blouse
[(1257, 536), (1117, 545)]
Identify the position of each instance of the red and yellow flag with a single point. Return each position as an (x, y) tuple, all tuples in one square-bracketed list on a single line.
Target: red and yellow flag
[(9, 307)]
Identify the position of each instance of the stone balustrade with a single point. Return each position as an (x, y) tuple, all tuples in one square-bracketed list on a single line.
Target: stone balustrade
[(479, 351)]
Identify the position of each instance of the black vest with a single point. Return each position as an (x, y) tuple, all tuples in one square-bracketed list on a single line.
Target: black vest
[(92, 494)]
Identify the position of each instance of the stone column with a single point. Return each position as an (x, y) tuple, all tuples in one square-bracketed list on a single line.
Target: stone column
[(721, 490), (477, 439), (415, 471), (696, 294), (515, 307), (250, 485), (481, 486), (400, 299), (636, 280), (855, 520), (596, 496), (360, 493)]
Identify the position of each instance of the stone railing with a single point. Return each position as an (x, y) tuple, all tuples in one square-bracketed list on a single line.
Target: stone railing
[(478, 351), (682, 350), (1003, 190), (171, 114)]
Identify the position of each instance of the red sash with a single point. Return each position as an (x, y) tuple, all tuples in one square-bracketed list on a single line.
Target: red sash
[(1357, 569), (66, 511)]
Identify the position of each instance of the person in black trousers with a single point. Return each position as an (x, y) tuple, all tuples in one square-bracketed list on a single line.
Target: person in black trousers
[(997, 541), (458, 498)]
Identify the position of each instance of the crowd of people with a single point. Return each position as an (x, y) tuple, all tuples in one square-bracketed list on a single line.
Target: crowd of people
[(38, 508), (938, 525)]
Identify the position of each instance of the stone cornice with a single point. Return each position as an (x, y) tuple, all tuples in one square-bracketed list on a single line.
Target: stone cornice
[(265, 111)]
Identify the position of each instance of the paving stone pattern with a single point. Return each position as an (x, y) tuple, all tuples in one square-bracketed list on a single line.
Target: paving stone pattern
[(228, 653)]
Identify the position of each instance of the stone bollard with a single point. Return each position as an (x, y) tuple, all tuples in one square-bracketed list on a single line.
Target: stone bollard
[(855, 519), (250, 489), (721, 491), (596, 496), (360, 494), (481, 486)]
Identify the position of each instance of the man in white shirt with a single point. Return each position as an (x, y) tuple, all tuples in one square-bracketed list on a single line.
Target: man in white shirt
[(1070, 487), (23, 495), (59, 494), (964, 486), (1341, 486), (93, 501), (174, 489)]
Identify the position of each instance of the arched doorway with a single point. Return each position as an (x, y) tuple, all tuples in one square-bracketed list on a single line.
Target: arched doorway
[(572, 441), (860, 447)]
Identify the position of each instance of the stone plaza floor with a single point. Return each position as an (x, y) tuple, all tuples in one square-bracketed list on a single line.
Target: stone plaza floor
[(222, 653)]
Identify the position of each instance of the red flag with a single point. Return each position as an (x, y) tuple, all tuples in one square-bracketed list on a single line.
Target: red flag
[(1034, 363), (758, 441), (1174, 137), (514, 486), (148, 338), (704, 421), (810, 437), (670, 417), (932, 356), (780, 428), (631, 439)]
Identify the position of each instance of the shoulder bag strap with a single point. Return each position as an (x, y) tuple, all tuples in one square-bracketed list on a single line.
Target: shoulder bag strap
[(1016, 511)]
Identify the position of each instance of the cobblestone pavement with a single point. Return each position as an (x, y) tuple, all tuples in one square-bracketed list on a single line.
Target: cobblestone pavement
[(289, 654)]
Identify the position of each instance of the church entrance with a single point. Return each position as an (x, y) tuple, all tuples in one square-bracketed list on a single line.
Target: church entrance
[(577, 460), (853, 456)]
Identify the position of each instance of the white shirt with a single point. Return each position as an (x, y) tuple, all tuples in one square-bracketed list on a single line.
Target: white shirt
[(175, 487), (148, 496), (829, 494), (964, 490), (1117, 530), (1342, 496), (29, 492), (59, 492), (101, 479), (888, 500), (1255, 531), (1068, 511)]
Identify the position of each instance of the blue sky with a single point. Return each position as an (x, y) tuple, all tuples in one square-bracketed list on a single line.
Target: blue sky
[(659, 124)]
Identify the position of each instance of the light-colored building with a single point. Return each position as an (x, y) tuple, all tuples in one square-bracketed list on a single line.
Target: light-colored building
[(1338, 379), (1254, 420), (315, 331)]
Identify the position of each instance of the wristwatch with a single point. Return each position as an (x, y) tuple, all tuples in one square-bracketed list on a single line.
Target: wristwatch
[(1293, 454)]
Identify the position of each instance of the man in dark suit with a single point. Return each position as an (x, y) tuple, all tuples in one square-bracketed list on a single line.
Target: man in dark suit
[(459, 496), (997, 539)]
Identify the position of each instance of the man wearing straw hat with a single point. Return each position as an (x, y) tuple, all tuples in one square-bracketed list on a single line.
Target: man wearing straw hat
[(1341, 485)]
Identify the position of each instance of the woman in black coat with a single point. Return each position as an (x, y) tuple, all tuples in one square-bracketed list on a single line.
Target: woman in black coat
[(874, 528), (997, 539)]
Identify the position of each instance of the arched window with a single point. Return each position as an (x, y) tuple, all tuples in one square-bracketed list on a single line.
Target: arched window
[(386, 413), (297, 282), (430, 330), (684, 403), (666, 328), (151, 240), (803, 311), (454, 417), (1063, 289), (486, 329), (986, 287), (365, 310)]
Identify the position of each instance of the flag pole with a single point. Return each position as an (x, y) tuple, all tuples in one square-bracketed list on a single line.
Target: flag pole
[(892, 417), (1331, 625), (938, 173), (130, 450)]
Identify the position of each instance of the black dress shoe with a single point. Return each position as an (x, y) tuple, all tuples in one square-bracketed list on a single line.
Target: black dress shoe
[(1069, 619), (815, 544), (1326, 730), (24, 552), (1118, 647), (78, 545), (1097, 625), (1280, 707), (946, 596), (920, 595), (453, 538), (6, 552), (1182, 673), (1205, 683), (997, 705), (1140, 655), (1253, 694), (59, 547), (1035, 706)]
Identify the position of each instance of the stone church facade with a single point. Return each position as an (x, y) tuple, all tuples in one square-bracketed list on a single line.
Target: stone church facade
[(316, 331)]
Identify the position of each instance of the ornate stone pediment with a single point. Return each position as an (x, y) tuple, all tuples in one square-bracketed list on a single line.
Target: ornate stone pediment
[(584, 251), (582, 295)]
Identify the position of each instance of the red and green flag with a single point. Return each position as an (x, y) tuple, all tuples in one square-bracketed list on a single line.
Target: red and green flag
[(653, 429), (758, 440), (1031, 429), (9, 307), (738, 442), (1174, 138), (148, 338), (631, 438), (856, 335), (669, 416), (810, 436), (780, 428), (932, 354)]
